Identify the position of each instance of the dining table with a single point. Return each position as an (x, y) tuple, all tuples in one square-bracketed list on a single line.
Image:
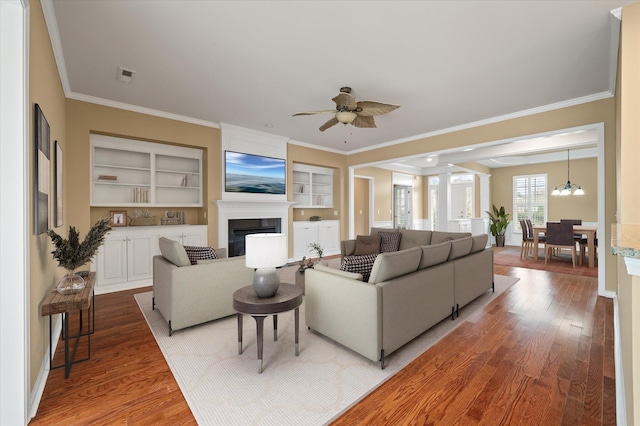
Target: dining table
[(588, 230)]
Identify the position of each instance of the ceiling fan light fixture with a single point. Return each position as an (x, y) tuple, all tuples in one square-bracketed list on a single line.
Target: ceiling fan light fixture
[(346, 117)]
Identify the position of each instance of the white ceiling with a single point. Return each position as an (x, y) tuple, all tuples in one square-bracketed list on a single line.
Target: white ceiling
[(251, 63)]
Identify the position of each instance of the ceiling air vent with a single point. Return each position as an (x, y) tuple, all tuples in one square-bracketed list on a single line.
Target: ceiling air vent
[(125, 75)]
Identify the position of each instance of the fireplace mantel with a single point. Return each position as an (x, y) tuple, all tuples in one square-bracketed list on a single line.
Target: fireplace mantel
[(249, 209)]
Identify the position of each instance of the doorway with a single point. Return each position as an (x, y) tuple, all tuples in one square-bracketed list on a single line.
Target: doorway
[(402, 207)]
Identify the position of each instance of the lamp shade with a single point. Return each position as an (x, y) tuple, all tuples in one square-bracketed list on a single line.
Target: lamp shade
[(265, 250), (346, 116)]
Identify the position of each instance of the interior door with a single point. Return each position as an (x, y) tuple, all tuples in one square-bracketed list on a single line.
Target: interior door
[(402, 207)]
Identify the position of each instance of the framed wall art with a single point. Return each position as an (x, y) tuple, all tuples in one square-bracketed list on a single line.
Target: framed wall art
[(57, 186), (118, 218), (41, 180)]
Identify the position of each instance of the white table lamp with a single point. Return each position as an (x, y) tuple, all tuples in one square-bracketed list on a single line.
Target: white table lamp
[(265, 252)]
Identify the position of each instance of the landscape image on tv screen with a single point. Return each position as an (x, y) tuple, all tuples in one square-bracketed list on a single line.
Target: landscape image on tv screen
[(254, 173)]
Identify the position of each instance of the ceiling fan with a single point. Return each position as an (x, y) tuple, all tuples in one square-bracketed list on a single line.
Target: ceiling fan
[(350, 111)]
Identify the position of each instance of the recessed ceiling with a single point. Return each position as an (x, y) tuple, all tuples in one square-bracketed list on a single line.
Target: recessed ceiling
[(247, 63)]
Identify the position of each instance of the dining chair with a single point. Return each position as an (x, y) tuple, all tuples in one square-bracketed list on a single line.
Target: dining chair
[(576, 237), (527, 239), (583, 249), (541, 238), (559, 236)]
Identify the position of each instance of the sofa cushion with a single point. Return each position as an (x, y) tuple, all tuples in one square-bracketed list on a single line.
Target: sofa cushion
[(340, 273), (174, 252), (438, 236), (460, 247), (199, 253), (367, 244), (389, 241), (434, 254), (479, 242), (414, 238), (359, 264), (391, 265)]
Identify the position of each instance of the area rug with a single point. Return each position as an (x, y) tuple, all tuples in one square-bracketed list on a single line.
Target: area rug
[(224, 388), (510, 256)]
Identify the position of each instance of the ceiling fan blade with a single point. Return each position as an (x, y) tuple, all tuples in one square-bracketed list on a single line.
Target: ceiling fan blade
[(365, 121), (328, 124), (345, 100), (370, 108), (314, 112)]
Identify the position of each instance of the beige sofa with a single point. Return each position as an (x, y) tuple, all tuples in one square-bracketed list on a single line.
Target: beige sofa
[(188, 295), (408, 292)]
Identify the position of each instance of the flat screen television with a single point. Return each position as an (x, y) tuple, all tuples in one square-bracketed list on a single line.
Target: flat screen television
[(254, 173)]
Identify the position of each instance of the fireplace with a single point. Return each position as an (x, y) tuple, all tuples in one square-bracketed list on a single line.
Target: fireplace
[(239, 228), (262, 216)]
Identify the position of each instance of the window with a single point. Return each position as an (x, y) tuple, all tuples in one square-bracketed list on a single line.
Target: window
[(529, 200)]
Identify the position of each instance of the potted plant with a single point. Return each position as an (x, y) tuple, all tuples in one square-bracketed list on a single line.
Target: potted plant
[(319, 250), (500, 220), (71, 254)]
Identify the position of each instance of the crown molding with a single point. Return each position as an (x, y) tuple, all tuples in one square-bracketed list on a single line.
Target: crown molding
[(54, 34)]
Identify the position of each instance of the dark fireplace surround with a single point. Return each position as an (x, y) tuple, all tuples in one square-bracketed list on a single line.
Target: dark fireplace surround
[(239, 228)]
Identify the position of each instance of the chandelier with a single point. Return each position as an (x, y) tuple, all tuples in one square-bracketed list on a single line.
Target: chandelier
[(567, 188)]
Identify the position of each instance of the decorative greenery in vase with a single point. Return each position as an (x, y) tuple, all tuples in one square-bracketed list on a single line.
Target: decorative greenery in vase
[(318, 249), (71, 254)]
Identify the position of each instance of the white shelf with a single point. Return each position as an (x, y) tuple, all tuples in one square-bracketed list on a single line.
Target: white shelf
[(312, 186), (160, 175)]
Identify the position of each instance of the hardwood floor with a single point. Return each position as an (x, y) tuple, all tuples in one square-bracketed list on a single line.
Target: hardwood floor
[(541, 353)]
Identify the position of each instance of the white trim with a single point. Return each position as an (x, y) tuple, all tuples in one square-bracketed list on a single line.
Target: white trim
[(38, 387), (517, 114), (56, 45), (621, 405), (633, 265), (603, 229), (14, 223)]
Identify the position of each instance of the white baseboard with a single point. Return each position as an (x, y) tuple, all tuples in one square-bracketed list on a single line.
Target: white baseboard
[(43, 374), (621, 405), (112, 288)]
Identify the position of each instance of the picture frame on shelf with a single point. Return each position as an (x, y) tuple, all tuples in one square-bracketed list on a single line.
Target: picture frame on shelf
[(57, 186), (118, 218), (42, 179)]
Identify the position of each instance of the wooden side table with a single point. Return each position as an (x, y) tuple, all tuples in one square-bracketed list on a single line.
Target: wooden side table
[(56, 303), (245, 301)]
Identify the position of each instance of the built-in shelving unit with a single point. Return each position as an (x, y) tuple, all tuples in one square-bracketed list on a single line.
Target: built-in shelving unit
[(129, 173), (312, 186)]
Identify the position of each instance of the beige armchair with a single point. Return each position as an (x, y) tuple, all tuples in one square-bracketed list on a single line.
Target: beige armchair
[(187, 294)]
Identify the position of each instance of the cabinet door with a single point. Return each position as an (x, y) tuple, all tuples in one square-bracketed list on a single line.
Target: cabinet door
[(139, 257), (112, 261), (329, 237), (303, 234), (194, 239)]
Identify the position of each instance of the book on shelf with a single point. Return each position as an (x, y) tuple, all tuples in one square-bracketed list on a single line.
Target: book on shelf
[(110, 178), (190, 180), (140, 195)]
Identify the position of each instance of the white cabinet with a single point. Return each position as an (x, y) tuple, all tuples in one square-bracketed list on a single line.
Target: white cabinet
[(312, 186), (125, 260), (128, 173), (324, 232)]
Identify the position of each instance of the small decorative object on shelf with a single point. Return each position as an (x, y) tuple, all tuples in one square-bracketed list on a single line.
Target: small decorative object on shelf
[(71, 254), (142, 218), (315, 218)]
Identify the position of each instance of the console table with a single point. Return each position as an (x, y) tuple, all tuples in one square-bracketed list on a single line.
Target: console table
[(56, 303)]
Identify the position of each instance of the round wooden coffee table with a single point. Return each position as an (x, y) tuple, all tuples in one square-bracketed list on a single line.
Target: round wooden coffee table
[(245, 301)]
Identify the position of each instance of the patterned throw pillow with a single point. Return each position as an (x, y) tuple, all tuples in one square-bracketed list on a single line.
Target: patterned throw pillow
[(359, 265), (199, 253), (389, 241)]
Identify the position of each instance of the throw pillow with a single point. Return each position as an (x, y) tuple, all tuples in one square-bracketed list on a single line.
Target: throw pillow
[(389, 241), (367, 244), (359, 265), (199, 253), (173, 252)]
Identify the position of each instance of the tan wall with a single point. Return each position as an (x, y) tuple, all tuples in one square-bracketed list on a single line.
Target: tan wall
[(361, 206), (315, 157), (602, 111), (629, 202), (583, 171), (85, 118), (45, 89)]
